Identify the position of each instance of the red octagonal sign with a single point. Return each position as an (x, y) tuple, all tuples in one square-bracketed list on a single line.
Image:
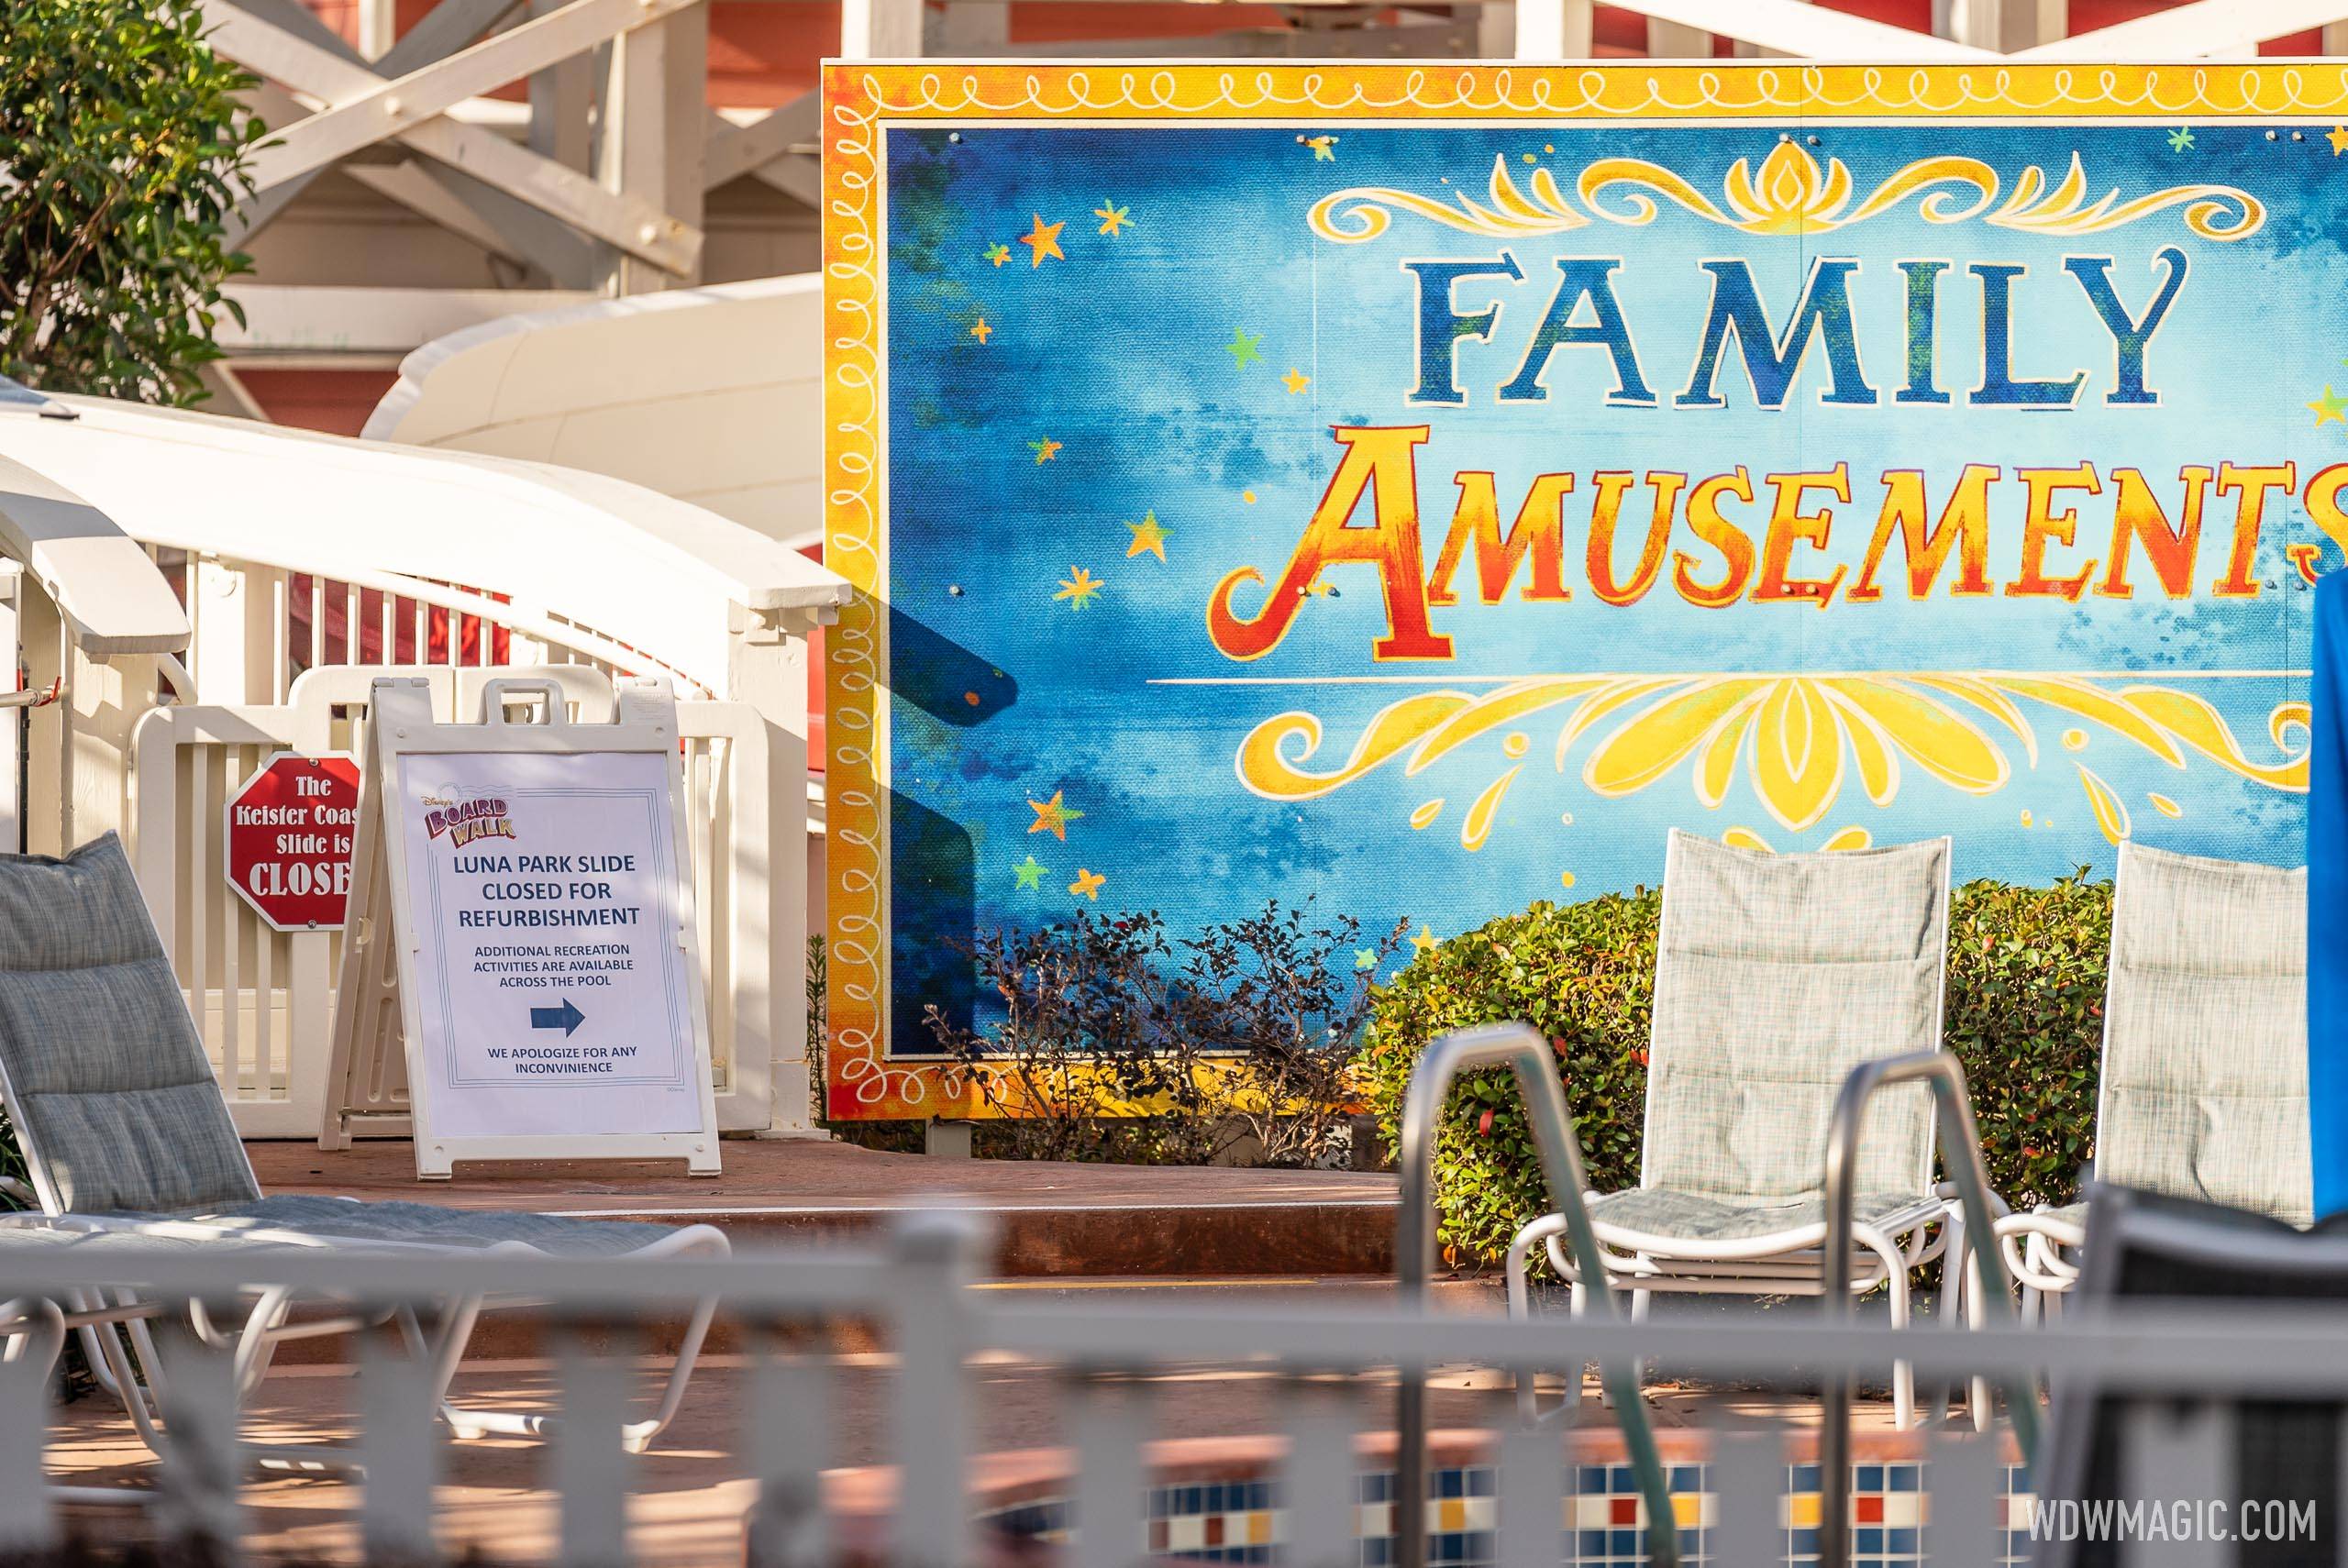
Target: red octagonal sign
[(289, 840)]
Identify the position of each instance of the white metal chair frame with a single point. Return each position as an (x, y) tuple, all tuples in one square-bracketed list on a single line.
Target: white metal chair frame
[(1784, 1263), (2042, 1253)]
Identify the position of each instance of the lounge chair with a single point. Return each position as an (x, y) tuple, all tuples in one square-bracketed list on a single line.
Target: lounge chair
[(1776, 974), (2204, 1086), (122, 1129)]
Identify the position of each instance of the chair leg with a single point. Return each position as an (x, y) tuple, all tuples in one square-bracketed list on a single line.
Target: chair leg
[(1578, 1304), (637, 1436), (1903, 1372), (1642, 1302)]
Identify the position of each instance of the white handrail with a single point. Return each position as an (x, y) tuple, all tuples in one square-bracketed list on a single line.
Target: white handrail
[(111, 596)]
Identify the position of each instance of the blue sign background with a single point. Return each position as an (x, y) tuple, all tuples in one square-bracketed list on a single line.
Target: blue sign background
[(1053, 402)]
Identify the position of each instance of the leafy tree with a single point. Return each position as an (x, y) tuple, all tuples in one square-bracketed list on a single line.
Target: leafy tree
[(123, 152)]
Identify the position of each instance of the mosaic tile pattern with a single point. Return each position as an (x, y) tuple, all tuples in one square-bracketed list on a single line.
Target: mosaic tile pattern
[(1603, 1524)]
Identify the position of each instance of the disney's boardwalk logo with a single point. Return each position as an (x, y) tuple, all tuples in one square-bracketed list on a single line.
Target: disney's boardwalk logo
[(467, 819)]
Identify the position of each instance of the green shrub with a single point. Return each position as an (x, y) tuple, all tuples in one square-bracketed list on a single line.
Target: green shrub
[(2024, 1015)]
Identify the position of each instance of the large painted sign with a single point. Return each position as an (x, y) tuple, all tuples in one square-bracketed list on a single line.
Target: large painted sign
[(1420, 486)]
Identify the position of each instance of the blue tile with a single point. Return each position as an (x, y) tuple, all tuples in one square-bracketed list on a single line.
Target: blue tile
[(1686, 1478), (1589, 1480), (1479, 1481), (1622, 1542), (1901, 1541), (1451, 1483), (1869, 1478), (1868, 1539), (1805, 1478), (1902, 1477)]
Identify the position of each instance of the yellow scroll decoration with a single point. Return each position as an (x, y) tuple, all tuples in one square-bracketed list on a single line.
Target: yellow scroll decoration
[(1798, 738), (1788, 193)]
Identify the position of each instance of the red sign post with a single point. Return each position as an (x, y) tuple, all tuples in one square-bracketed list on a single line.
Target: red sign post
[(289, 840)]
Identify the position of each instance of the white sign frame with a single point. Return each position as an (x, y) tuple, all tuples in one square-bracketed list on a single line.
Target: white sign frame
[(382, 918)]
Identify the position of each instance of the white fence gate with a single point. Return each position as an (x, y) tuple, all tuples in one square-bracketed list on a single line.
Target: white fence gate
[(263, 1000)]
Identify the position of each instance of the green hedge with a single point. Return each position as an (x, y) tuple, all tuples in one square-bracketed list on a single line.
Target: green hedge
[(2024, 1015)]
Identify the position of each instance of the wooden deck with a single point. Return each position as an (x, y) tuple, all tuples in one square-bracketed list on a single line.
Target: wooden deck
[(1050, 1219)]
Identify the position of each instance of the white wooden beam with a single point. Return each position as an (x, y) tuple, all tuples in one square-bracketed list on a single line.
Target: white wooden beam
[(961, 28), (880, 29), (291, 319), (2007, 25), (1674, 40), (625, 222), (389, 107), (559, 96), (1496, 29), (1555, 29), (2202, 28), (763, 148), (1810, 32)]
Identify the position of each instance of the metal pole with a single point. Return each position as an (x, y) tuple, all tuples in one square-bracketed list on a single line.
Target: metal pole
[(1520, 1047), (1961, 1146)]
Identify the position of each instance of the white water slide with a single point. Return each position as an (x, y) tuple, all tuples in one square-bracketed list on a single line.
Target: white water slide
[(711, 395)]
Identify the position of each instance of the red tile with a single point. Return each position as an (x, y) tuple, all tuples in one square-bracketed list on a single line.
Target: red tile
[(1623, 1510), (1214, 1530), (1870, 1509)]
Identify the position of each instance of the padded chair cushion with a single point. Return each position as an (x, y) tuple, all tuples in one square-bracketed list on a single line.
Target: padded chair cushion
[(120, 1105), (2205, 1053), (342, 1220), (1775, 974), (1690, 1217)]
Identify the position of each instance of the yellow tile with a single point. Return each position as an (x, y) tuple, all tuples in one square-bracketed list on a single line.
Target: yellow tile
[(1802, 1511), (1687, 1509), (1259, 1528), (1452, 1515)]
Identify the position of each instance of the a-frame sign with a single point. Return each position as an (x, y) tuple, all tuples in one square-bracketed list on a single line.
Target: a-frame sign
[(521, 937)]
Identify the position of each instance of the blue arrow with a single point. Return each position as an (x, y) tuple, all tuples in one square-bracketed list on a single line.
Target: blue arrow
[(566, 1018)]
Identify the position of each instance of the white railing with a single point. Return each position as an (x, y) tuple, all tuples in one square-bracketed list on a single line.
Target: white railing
[(199, 592), (263, 998), (1334, 1370)]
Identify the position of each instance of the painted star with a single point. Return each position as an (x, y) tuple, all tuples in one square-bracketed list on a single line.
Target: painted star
[(1242, 349), (1364, 957), (1149, 537), (1088, 884), (1045, 240), (1324, 148), (2328, 408), (1031, 870), (1045, 449), (1053, 816), (2180, 138), (1078, 589), (2338, 136), (998, 253), (1112, 216), (1295, 380), (1424, 943), (982, 331)]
